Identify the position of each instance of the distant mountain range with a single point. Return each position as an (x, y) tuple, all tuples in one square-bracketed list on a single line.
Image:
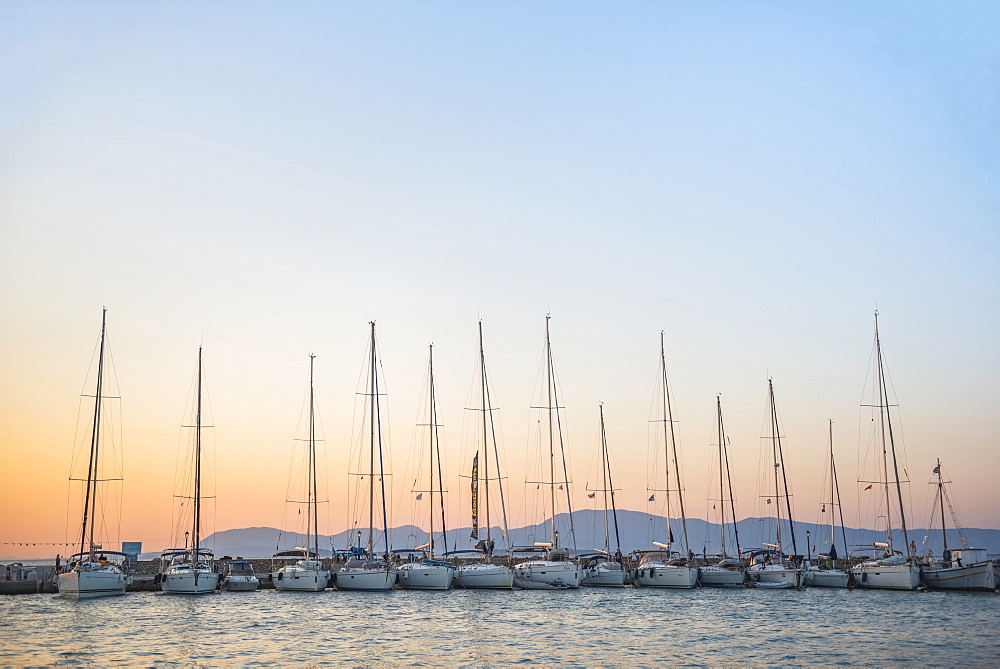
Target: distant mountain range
[(636, 530)]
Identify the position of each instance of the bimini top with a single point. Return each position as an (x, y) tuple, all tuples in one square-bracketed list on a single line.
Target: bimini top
[(171, 552), (98, 552)]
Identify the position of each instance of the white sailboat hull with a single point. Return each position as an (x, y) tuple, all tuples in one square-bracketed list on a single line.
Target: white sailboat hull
[(90, 584), (978, 576), (666, 576), (887, 577), (546, 575), (827, 578), (366, 579), (775, 576), (719, 577), (240, 583), (301, 580), (484, 576), (425, 577), (189, 583), (603, 577)]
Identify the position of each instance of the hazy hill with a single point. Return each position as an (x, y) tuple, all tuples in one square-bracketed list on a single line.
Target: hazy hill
[(636, 530)]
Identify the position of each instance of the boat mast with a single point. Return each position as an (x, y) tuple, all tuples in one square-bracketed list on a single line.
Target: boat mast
[(835, 497), (668, 418), (488, 406), (371, 458), (940, 484), (779, 463), (885, 423), (604, 477), (486, 452), (552, 455), (729, 481), (611, 486), (381, 462), (312, 508), (554, 397), (722, 494), (90, 497), (196, 533), (435, 444)]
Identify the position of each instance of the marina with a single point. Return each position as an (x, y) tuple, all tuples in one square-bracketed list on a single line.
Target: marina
[(587, 626)]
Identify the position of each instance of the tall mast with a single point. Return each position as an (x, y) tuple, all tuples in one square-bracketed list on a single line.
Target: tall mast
[(488, 406), (611, 487), (886, 427), (435, 449), (552, 455), (944, 531), (780, 464), (553, 406), (381, 459), (604, 478), (90, 497), (729, 481), (371, 459), (196, 533), (722, 494), (312, 513), (486, 452), (833, 490), (836, 483), (835, 499), (668, 418)]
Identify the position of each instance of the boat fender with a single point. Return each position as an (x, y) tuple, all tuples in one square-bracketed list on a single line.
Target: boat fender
[(333, 579), (652, 571), (157, 579), (864, 577), (281, 575)]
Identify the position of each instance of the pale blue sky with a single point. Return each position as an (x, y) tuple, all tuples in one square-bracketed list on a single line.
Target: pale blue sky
[(751, 177)]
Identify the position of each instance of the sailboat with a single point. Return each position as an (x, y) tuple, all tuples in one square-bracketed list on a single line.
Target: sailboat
[(964, 568), (771, 566), (189, 571), (307, 574), (428, 573), (888, 568), (364, 570), (726, 571), (486, 573), (828, 574), (92, 574), (666, 568), (606, 569), (556, 571)]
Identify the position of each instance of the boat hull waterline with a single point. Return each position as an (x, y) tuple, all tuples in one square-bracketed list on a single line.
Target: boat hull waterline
[(90, 584), (484, 577), (546, 575)]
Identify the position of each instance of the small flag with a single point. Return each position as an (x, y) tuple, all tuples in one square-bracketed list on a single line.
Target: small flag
[(823, 510), (937, 470), (651, 498), (420, 496), (869, 486), (591, 495), (560, 486), (768, 501)]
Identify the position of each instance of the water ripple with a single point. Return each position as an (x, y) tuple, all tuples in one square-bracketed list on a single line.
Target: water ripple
[(465, 627)]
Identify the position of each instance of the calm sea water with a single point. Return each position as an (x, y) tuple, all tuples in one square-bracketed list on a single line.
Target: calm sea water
[(583, 627)]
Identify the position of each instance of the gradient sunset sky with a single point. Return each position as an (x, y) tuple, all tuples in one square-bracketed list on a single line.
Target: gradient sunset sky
[(264, 179)]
